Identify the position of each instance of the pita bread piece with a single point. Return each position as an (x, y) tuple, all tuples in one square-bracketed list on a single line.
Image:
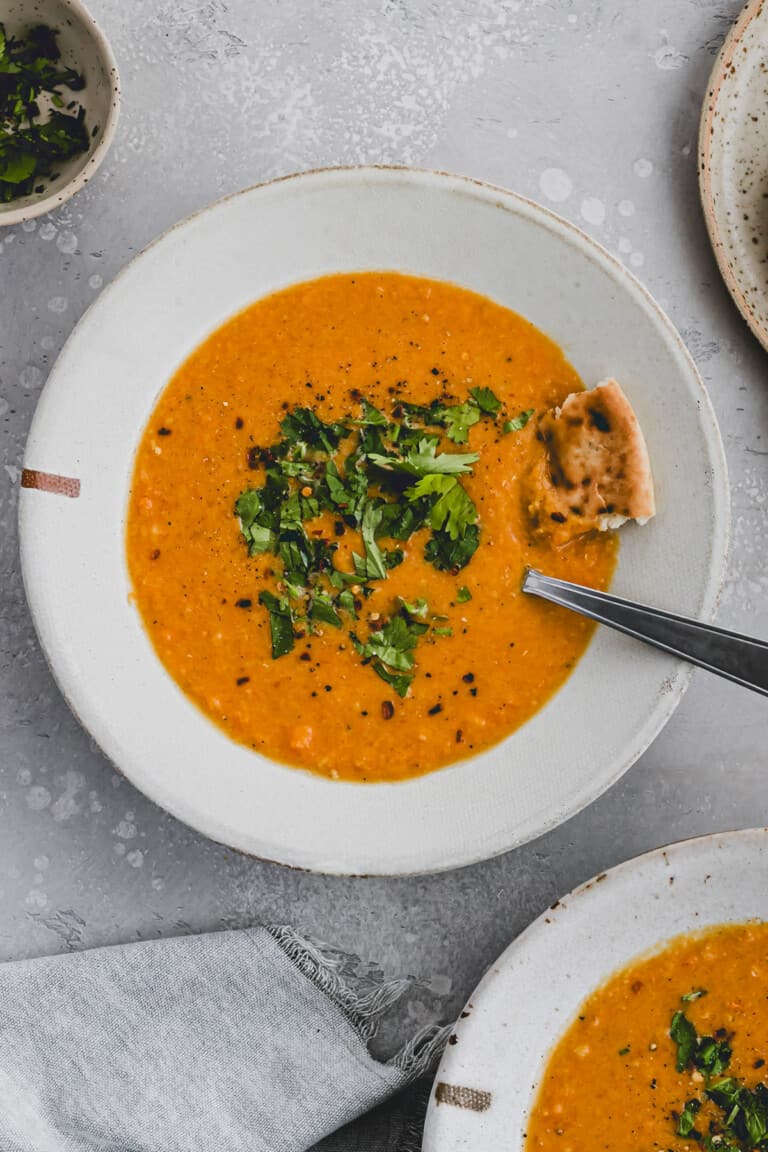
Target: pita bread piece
[(594, 472)]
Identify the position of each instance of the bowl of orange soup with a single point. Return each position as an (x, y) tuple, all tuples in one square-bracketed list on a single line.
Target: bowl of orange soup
[(633, 1014), (273, 521)]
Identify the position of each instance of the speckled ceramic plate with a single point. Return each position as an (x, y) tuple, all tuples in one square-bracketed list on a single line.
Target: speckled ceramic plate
[(78, 466), (489, 1075), (733, 164)]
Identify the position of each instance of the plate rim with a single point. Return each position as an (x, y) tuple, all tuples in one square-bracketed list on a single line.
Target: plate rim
[(678, 680), (667, 852), (717, 78)]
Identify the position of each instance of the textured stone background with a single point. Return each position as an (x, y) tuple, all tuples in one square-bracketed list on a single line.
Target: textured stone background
[(590, 106)]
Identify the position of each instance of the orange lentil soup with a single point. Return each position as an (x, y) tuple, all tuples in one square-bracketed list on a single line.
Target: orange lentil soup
[(323, 345), (612, 1083)]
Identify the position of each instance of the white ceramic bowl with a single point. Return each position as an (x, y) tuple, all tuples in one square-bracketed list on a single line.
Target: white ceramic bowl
[(84, 48), (489, 1075), (104, 386)]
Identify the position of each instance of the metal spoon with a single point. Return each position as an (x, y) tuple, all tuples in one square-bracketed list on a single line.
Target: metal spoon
[(738, 658)]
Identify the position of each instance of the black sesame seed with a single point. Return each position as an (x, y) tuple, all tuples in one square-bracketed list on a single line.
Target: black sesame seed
[(242, 680), (163, 431), (244, 602), (433, 711), (468, 677)]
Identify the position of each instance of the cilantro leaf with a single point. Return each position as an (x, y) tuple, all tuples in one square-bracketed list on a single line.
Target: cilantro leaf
[(419, 608), (375, 566), (691, 996), (400, 683), (322, 609), (687, 1120), (684, 1035), (250, 510), (486, 400), (303, 424), (372, 415), (459, 419), (463, 595), (280, 623), (712, 1056), (517, 423), (453, 510), (336, 488), (425, 461), (449, 555)]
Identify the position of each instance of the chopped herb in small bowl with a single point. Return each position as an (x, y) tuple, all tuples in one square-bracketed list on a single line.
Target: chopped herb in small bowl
[(58, 104)]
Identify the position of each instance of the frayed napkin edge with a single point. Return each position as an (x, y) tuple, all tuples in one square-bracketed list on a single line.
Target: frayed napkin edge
[(415, 1059)]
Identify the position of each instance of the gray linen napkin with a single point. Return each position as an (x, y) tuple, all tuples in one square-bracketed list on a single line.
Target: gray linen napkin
[(242, 1041)]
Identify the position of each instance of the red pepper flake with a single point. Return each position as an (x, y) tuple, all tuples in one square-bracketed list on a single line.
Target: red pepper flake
[(155, 555), (387, 709)]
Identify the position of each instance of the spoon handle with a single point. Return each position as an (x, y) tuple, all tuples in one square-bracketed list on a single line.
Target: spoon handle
[(739, 658)]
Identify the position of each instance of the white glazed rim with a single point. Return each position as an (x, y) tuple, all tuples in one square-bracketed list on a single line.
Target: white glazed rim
[(602, 887), (416, 860), (55, 199)]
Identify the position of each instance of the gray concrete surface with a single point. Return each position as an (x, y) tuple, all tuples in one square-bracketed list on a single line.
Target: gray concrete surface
[(590, 106)]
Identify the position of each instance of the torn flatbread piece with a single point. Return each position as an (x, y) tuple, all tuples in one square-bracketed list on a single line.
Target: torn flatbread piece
[(594, 472)]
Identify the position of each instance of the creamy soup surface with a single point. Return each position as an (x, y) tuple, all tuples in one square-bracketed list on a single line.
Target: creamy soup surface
[(613, 1082), (490, 658)]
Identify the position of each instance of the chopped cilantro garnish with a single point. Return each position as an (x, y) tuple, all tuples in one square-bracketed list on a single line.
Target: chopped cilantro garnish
[(388, 482), (302, 425), (691, 996), (517, 422), (746, 1112), (34, 140), (390, 649), (743, 1125)]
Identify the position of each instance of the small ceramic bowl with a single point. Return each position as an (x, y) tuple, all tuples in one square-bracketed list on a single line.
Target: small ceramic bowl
[(84, 48)]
